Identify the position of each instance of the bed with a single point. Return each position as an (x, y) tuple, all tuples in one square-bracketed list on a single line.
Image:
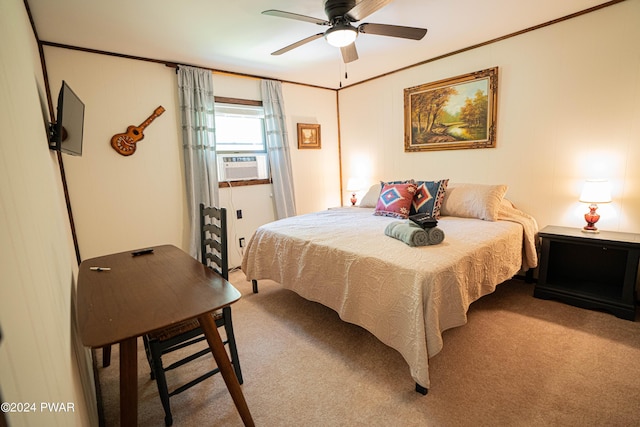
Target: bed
[(405, 296)]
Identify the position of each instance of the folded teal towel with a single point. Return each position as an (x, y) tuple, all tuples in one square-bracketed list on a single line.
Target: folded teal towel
[(435, 235), (413, 235), (408, 232)]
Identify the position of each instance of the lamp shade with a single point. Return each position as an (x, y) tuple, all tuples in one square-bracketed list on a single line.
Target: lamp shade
[(596, 191), (341, 35), (354, 184)]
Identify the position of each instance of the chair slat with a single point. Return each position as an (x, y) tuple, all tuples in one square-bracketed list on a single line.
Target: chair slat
[(215, 258), (212, 228), (214, 244), (211, 212)]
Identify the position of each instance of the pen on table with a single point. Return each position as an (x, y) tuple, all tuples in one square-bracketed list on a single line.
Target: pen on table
[(99, 268)]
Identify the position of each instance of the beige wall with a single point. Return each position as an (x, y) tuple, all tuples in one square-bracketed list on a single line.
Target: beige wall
[(120, 203), (316, 173), (41, 359), (568, 110)]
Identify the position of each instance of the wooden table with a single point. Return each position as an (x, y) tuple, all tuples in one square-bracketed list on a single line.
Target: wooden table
[(143, 293)]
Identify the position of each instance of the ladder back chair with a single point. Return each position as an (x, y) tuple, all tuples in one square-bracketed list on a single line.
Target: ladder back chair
[(213, 240)]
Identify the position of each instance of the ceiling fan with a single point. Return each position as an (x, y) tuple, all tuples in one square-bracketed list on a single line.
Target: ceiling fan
[(340, 14)]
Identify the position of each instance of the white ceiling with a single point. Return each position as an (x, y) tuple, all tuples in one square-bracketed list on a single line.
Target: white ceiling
[(234, 35)]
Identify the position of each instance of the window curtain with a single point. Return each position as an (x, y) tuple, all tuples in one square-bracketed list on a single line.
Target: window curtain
[(278, 149), (195, 93)]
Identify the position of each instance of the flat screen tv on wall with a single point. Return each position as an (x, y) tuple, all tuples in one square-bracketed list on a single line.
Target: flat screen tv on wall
[(66, 132)]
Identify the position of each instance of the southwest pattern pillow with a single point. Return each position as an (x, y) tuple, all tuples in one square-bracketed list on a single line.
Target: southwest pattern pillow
[(405, 181), (428, 198), (395, 200)]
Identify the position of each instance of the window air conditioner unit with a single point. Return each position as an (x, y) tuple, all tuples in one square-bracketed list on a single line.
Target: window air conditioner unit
[(234, 167)]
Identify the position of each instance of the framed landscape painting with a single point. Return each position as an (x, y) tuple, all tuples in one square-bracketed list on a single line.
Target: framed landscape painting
[(455, 113)]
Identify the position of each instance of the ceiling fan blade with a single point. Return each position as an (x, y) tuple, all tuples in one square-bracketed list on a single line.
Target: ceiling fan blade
[(349, 53), (412, 33), (366, 8), (297, 44), (282, 14)]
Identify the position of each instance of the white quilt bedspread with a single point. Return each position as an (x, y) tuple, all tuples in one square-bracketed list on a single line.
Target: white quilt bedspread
[(405, 296)]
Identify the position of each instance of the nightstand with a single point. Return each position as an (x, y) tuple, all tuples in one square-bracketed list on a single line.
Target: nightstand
[(597, 271)]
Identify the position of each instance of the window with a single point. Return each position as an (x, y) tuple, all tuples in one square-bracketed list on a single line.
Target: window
[(239, 128), (240, 141)]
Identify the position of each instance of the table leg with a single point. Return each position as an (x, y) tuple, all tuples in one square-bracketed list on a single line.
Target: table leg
[(222, 359), (129, 382)]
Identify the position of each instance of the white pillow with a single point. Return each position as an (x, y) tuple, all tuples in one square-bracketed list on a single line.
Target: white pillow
[(473, 201), (371, 198)]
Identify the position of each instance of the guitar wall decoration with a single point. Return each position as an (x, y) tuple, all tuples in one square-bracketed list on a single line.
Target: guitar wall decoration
[(125, 143)]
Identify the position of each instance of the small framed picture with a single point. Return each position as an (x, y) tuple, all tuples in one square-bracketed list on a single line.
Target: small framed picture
[(308, 136)]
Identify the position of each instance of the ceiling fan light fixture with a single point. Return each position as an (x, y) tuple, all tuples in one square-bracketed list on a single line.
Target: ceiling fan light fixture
[(340, 36)]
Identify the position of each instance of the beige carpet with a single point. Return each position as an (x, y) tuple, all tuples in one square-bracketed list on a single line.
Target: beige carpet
[(519, 361)]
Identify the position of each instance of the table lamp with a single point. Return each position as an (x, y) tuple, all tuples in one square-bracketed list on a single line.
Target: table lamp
[(353, 185), (594, 192)]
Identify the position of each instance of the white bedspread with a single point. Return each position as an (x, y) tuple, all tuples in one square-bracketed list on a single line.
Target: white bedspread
[(405, 296)]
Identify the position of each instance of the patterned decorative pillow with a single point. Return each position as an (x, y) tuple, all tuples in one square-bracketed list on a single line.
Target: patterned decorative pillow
[(404, 181), (395, 200), (428, 198)]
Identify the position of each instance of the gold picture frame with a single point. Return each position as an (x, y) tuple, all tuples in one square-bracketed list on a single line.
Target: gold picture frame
[(451, 114), (308, 136)]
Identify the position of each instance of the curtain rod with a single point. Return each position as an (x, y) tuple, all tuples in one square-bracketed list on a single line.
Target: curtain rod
[(172, 64)]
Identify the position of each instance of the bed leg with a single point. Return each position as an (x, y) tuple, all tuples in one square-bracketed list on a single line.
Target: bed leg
[(528, 276), (255, 286), (421, 390)]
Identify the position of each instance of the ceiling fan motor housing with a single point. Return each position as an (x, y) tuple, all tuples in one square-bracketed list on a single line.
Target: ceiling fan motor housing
[(336, 9)]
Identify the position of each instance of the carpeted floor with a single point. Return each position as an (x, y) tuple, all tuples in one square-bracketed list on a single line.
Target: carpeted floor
[(520, 361)]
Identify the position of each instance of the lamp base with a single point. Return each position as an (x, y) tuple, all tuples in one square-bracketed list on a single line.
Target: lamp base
[(353, 199), (592, 231), (591, 217)]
